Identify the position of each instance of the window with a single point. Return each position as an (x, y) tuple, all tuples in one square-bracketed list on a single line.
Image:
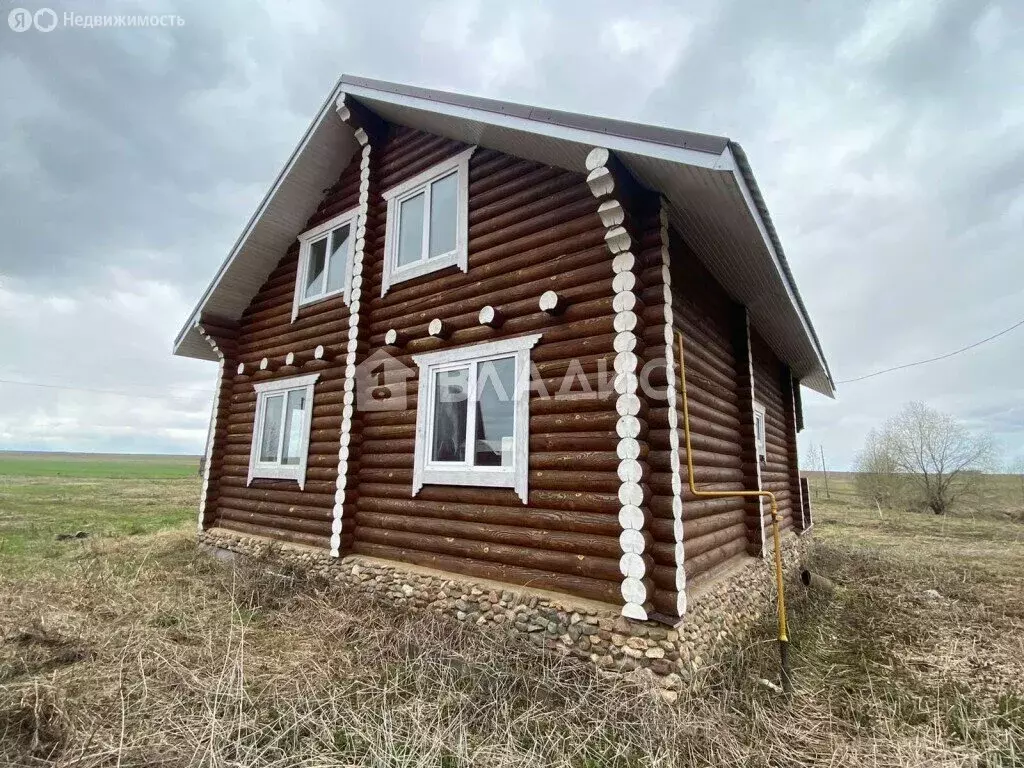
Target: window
[(280, 438), (473, 416), (759, 439), (427, 222), (325, 259)]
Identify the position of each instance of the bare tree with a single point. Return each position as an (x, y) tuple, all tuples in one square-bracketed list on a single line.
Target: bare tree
[(940, 459), (810, 461), (878, 474)]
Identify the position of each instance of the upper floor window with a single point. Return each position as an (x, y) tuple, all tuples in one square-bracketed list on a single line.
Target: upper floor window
[(325, 258), (759, 436), (280, 438), (427, 222), (473, 416)]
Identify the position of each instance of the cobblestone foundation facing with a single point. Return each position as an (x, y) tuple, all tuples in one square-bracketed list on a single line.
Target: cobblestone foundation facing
[(720, 615)]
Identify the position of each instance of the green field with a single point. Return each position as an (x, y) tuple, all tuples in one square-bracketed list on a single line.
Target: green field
[(100, 465), (131, 647), (102, 495)]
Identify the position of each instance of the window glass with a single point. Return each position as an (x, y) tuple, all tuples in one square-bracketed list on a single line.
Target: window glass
[(270, 439), (451, 397), (495, 413), (315, 268), (293, 424), (410, 235), (443, 216), (339, 258)]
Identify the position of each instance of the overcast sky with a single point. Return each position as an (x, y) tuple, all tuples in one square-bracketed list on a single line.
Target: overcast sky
[(888, 139)]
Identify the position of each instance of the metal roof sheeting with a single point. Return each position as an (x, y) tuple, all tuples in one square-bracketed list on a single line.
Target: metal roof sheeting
[(713, 199)]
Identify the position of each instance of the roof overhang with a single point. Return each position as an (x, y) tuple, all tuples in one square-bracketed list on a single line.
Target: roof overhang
[(706, 181), (326, 148)]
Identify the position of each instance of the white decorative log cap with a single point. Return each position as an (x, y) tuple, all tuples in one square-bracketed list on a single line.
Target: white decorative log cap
[(319, 353), (393, 338), (289, 359), (438, 329), (625, 302), (625, 322), (634, 591), (601, 182), (623, 281), (552, 303), (343, 111), (597, 158), (241, 368), (611, 213), (491, 317), (264, 364), (617, 239), (633, 610), (623, 262)]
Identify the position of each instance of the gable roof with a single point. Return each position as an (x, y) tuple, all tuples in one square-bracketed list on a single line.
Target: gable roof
[(706, 181)]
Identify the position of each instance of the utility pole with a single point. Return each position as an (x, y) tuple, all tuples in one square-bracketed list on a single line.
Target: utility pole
[(824, 471)]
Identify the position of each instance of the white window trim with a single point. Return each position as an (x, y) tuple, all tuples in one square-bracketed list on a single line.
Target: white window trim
[(306, 240), (459, 257), (760, 441), (517, 475), (277, 471)]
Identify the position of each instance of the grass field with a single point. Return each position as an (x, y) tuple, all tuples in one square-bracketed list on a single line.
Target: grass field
[(99, 465), (44, 495), (131, 648)]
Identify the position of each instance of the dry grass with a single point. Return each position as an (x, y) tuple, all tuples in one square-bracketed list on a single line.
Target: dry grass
[(141, 651)]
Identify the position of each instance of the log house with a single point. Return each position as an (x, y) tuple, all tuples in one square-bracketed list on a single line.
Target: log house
[(446, 338)]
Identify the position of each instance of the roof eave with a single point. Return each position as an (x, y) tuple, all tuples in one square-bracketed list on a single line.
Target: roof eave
[(202, 351), (759, 210), (575, 133)]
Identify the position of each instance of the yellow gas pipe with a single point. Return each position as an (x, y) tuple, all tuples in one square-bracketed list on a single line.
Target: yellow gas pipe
[(783, 633)]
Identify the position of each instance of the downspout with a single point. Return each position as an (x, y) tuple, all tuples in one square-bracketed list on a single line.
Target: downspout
[(787, 684)]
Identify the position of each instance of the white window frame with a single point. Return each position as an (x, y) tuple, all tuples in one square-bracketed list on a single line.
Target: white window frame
[(276, 470), (515, 476), (306, 240), (760, 436), (421, 182)]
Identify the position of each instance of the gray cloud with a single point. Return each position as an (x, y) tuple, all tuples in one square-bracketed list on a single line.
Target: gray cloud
[(887, 138)]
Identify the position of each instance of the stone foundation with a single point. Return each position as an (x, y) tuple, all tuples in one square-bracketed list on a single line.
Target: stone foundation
[(721, 612)]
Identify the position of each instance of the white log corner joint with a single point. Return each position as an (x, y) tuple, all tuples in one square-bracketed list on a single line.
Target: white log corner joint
[(672, 401), (205, 492), (355, 288), (633, 563)]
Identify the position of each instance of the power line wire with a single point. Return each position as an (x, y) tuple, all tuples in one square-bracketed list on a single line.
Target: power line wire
[(40, 385), (26, 375), (934, 359)]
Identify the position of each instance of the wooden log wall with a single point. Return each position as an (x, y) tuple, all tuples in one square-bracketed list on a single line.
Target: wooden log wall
[(276, 508), (715, 531), (773, 391), (222, 337), (805, 500), (531, 229), (754, 507), (790, 387), (665, 435)]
